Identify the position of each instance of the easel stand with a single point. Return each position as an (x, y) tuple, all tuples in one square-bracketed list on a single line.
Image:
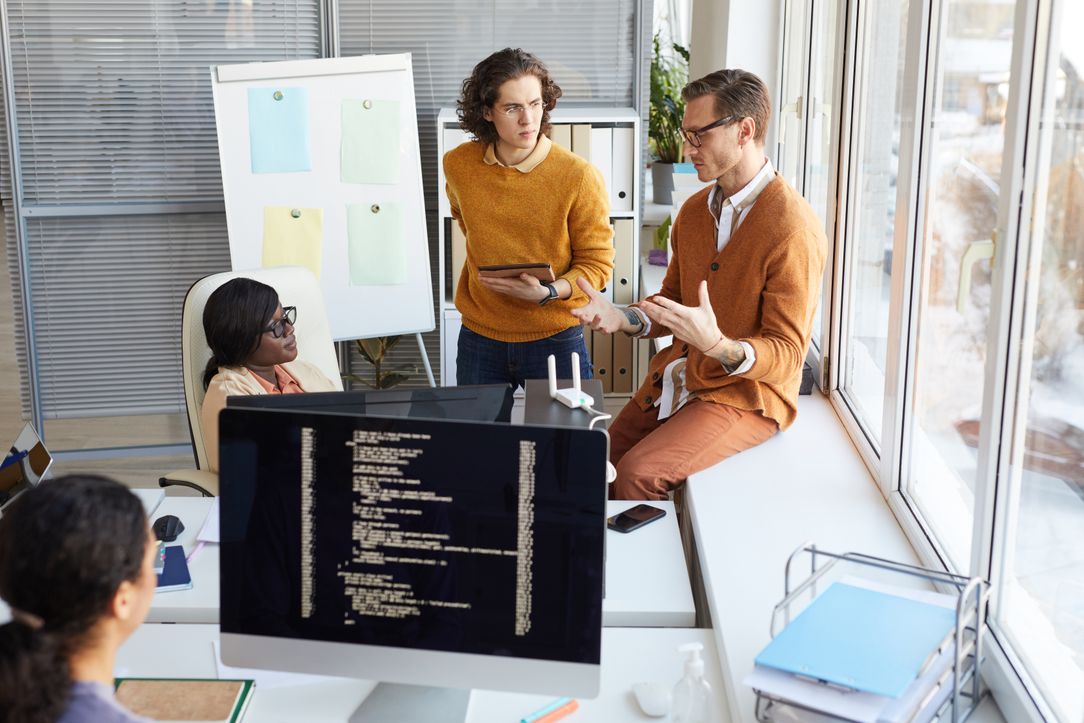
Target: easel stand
[(972, 595)]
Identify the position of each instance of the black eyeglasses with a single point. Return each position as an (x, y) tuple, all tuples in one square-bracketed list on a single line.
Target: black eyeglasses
[(693, 137), (278, 327)]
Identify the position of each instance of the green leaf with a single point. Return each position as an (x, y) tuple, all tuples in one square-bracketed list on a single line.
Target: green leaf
[(371, 350), (391, 379)]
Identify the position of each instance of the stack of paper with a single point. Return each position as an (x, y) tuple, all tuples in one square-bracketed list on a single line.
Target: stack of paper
[(863, 653)]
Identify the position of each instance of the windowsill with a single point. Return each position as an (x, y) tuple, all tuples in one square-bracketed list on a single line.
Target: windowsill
[(749, 513)]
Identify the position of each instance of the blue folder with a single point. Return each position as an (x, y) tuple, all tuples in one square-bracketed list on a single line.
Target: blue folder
[(861, 639)]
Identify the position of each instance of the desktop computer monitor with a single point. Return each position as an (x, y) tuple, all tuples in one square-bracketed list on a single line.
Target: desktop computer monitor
[(429, 552), (481, 402)]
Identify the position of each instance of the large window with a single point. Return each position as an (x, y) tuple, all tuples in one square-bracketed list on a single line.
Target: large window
[(959, 320)]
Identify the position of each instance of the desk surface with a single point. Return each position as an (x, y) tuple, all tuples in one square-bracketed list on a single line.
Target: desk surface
[(647, 583), (629, 655)]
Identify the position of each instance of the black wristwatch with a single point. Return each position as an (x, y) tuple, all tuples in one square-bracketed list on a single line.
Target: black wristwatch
[(552, 295)]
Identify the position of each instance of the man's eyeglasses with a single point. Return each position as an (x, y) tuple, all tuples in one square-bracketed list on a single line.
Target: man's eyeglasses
[(278, 327), (514, 110), (693, 137)]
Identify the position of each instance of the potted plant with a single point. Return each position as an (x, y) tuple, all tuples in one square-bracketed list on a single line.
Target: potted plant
[(669, 74), (375, 351)]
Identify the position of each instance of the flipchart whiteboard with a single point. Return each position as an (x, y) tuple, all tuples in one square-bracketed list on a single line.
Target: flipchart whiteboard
[(321, 168)]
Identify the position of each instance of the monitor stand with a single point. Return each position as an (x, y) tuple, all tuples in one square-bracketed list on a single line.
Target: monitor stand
[(398, 702)]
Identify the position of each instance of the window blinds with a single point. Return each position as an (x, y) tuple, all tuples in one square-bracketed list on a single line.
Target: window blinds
[(115, 117)]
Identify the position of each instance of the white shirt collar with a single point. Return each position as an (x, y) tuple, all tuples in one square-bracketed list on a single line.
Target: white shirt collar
[(758, 183)]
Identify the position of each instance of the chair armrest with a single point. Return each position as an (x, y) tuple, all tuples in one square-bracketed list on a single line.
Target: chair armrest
[(204, 482)]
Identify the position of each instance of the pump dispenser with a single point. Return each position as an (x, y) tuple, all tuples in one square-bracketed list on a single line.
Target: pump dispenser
[(692, 694)]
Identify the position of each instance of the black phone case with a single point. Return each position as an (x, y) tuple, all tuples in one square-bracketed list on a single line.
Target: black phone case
[(637, 525)]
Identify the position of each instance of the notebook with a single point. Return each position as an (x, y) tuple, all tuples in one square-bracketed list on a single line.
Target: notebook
[(861, 639), (174, 575), (183, 700), (25, 463)]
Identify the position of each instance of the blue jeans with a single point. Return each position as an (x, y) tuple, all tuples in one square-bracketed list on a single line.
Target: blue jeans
[(481, 360)]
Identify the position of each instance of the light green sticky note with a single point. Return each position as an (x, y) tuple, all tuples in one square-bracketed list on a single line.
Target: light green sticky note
[(370, 141), (293, 236), (374, 232)]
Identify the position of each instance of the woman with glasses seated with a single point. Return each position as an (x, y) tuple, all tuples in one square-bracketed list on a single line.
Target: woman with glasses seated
[(77, 570), (253, 351)]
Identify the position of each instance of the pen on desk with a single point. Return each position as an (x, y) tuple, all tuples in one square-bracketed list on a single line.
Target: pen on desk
[(193, 553), (559, 713), (550, 708)]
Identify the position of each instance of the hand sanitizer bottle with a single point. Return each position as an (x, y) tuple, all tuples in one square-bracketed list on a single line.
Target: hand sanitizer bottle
[(692, 694)]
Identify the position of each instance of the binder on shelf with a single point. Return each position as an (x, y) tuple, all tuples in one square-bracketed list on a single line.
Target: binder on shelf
[(601, 155), (602, 360), (624, 151), (623, 382), (561, 134), (459, 254), (626, 260), (581, 140)]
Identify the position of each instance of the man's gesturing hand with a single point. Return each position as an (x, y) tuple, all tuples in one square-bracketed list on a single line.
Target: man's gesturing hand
[(694, 325)]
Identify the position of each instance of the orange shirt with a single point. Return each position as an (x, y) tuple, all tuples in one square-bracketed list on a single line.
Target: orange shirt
[(286, 383)]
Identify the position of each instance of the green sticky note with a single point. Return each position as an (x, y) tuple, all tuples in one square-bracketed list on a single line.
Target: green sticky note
[(293, 236), (370, 141), (377, 250)]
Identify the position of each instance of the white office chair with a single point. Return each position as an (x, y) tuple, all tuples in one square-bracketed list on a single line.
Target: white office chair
[(296, 286)]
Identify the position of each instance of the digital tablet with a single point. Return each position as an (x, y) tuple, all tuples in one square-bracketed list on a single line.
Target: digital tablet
[(542, 272)]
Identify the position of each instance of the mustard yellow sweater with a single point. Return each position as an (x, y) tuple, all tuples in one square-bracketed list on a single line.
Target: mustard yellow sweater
[(558, 213)]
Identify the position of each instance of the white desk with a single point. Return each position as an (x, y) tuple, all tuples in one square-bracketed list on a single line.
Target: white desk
[(200, 603), (629, 655), (647, 583), (647, 580)]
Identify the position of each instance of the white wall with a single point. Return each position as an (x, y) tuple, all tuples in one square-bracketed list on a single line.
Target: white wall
[(738, 34)]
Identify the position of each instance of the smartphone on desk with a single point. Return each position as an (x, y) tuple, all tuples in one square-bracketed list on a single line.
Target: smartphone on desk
[(634, 517)]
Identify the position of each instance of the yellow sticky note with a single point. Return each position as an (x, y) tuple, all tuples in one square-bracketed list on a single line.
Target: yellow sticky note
[(293, 237)]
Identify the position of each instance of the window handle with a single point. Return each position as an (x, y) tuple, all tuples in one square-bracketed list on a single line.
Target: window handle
[(976, 251)]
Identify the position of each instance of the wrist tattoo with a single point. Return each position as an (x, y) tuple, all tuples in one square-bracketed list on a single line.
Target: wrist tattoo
[(633, 318), (731, 356)]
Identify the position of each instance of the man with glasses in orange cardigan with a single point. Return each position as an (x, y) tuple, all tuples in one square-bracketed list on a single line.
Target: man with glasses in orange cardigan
[(739, 298)]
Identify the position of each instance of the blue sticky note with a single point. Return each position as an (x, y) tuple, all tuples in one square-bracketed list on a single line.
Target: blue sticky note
[(861, 639), (278, 129)]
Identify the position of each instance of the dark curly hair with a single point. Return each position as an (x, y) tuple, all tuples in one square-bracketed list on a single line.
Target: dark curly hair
[(481, 88), (65, 548)]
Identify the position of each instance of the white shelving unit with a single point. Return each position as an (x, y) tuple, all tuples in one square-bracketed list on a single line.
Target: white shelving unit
[(609, 138)]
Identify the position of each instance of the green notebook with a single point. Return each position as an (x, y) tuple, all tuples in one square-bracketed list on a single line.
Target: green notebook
[(182, 700)]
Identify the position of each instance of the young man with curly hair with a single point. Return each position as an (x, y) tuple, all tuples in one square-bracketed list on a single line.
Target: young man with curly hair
[(739, 298), (519, 198)]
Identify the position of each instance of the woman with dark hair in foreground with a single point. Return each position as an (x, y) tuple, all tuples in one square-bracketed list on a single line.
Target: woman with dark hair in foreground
[(254, 351), (77, 570)]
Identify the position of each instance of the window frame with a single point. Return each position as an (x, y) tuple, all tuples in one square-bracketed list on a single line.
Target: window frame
[(997, 477)]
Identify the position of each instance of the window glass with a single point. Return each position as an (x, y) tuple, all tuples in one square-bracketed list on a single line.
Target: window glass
[(1042, 596), (953, 275), (873, 171)]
